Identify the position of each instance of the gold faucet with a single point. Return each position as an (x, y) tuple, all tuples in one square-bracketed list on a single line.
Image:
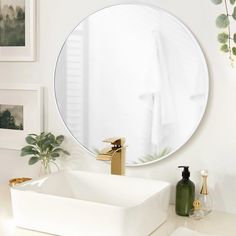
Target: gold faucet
[(115, 154)]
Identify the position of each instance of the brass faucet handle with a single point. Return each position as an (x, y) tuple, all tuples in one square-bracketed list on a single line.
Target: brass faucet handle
[(106, 151), (115, 141), (105, 154), (103, 157)]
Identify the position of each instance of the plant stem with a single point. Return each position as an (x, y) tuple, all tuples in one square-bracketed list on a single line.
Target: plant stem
[(229, 31), (55, 165)]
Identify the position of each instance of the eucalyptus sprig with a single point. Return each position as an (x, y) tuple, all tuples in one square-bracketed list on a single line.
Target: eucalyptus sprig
[(227, 38), (44, 147)]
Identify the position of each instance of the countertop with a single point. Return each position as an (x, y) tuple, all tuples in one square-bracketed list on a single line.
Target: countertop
[(216, 223)]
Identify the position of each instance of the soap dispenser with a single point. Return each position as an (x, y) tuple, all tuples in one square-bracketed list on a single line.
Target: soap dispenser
[(185, 193)]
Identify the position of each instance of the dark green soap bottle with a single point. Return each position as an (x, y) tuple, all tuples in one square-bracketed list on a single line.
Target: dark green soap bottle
[(185, 193)]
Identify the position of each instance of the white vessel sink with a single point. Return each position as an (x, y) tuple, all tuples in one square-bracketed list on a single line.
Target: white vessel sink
[(76, 203)]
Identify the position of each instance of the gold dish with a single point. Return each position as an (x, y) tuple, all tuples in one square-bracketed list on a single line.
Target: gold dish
[(13, 182)]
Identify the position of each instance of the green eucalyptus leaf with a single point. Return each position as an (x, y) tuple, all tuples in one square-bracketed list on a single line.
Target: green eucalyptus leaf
[(234, 37), (55, 154), (33, 160), (51, 137), (61, 150), (60, 139), (234, 13), (234, 51), (222, 21), (224, 48), (232, 1), (40, 141), (223, 37), (66, 152), (46, 144), (57, 149), (54, 145), (39, 137), (217, 2), (27, 150), (30, 140)]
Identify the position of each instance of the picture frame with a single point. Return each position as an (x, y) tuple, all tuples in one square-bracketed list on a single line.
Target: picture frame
[(21, 113), (17, 30)]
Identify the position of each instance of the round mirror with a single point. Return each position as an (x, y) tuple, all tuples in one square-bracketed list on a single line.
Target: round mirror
[(132, 71)]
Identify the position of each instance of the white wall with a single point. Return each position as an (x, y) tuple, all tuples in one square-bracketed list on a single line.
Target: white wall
[(214, 144)]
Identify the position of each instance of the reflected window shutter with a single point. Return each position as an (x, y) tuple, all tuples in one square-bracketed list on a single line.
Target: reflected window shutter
[(76, 72)]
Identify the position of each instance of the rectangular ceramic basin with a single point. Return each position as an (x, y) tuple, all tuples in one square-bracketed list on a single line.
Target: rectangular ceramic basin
[(76, 203)]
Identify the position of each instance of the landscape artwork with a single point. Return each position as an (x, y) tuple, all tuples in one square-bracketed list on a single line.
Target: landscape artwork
[(11, 117), (12, 23)]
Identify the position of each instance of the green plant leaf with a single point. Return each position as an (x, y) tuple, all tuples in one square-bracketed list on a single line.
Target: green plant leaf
[(61, 150), (46, 144), (223, 37), (217, 2), (224, 48), (66, 152), (51, 137), (27, 150), (232, 1), (222, 21), (55, 144), (57, 149), (39, 137), (234, 51), (55, 154), (60, 139), (234, 37), (30, 140), (33, 160), (234, 13)]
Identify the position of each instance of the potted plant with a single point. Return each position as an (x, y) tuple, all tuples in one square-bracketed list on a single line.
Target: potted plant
[(44, 147)]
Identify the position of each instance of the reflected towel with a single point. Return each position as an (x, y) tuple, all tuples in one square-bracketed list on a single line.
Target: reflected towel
[(181, 231), (164, 112), (159, 98), (168, 113)]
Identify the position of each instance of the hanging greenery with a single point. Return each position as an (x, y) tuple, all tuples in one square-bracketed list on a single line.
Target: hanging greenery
[(226, 37)]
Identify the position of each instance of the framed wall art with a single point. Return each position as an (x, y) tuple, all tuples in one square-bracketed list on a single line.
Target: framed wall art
[(20, 114), (17, 30)]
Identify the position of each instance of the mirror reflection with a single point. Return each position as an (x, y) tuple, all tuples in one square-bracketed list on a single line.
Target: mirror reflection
[(132, 71)]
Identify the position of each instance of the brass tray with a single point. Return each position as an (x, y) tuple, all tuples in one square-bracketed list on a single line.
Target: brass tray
[(13, 182)]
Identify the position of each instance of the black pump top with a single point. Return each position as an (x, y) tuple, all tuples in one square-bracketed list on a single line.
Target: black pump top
[(185, 173)]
